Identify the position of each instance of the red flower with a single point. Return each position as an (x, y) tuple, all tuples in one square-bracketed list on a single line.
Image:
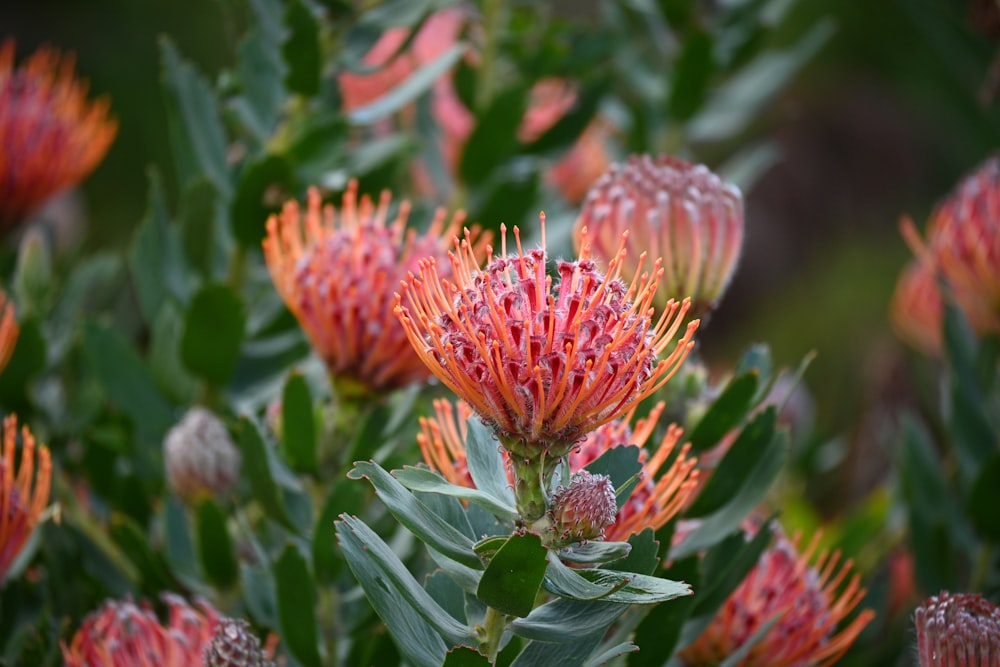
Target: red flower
[(544, 362), (916, 311), (24, 496), (9, 330), (958, 630), (672, 209), (52, 137), (337, 272), (808, 601), (122, 634)]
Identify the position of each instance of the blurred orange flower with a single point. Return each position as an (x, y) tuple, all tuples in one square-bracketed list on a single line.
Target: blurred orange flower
[(22, 496)]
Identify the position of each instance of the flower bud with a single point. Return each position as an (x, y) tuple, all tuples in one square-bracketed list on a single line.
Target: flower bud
[(955, 630), (235, 645), (582, 510), (200, 456)]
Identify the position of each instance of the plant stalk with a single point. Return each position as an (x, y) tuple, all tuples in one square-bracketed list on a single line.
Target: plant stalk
[(491, 633)]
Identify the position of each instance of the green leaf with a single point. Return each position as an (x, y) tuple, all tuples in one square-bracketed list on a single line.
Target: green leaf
[(662, 626), (514, 575), (726, 565), (568, 129), (728, 518), (178, 549), (737, 102), (126, 380), (298, 425), (692, 74), (757, 358), (261, 73), (33, 279), (196, 131), (595, 553), (622, 465), (566, 621), (643, 557), (418, 83), (156, 258), (27, 360), (637, 588), (572, 584), (372, 561), (213, 332), (494, 139), (199, 219), (215, 546), (297, 607), (263, 186), (135, 545), (415, 516), (422, 479), (486, 463), (169, 374), (465, 657), (742, 457), (257, 469), (258, 588), (343, 498), (982, 504), (726, 412), (737, 656), (301, 49)]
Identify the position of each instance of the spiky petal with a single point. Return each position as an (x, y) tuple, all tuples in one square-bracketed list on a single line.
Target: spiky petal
[(673, 209), (124, 634), (807, 596), (52, 136), (337, 272), (23, 495), (958, 631), (543, 362)]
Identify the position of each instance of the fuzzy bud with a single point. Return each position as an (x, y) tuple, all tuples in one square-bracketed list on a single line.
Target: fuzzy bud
[(200, 456), (235, 645), (582, 510), (954, 630)]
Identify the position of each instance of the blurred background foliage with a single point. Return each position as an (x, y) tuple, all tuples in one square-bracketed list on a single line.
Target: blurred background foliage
[(871, 114)]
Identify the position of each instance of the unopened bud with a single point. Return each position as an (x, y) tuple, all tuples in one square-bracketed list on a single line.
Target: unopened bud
[(582, 510), (200, 456), (234, 645), (955, 630)]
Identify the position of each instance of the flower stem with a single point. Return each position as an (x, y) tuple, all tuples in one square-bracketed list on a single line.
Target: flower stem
[(491, 632), (529, 488)]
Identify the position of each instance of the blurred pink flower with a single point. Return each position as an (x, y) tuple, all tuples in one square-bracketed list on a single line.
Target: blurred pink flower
[(958, 630)]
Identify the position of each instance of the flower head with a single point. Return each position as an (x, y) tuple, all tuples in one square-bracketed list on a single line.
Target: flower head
[(234, 645), (957, 630), (962, 247), (582, 510), (673, 209), (543, 362), (9, 330), (200, 456), (659, 495), (916, 311), (123, 634), (22, 496), (337, 272), (52, 136), (808, 601)]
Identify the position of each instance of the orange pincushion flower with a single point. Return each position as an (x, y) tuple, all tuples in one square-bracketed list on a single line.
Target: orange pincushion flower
[(24, 496), (337, 272), (543, 363), (8, 330), (52, 137), (811, 600), (123, 634), (655, 500), (963, 246), (674, 209), (916, 308)]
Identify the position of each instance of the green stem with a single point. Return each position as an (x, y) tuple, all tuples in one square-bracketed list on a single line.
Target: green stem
[(329, 621), (491, 632), (981, 568), (237, 267), (529, 488), (493, 26)]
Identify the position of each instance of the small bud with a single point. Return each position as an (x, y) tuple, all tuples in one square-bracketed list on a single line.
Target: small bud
[(234, 645), (955, 630), (200, 456), (584, 509)]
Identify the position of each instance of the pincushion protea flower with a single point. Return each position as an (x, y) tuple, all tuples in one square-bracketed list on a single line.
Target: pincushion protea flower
[(9, 330), (234, 645), (22, 496), (123, 634), (962, 247), (544, 363), (200, 456), (673, 209), (916, 311), (809, 601), (583, 509), (657, 498), (337, 272), (958, 630), (52, 137)]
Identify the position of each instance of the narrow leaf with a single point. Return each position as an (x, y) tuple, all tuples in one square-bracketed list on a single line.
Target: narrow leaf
[(298, 425), (725, 413), (213, 332), (421, 479), (301, 49), (622, 465), (486, 462), (215, 546), (297, 607), (257, 469)]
